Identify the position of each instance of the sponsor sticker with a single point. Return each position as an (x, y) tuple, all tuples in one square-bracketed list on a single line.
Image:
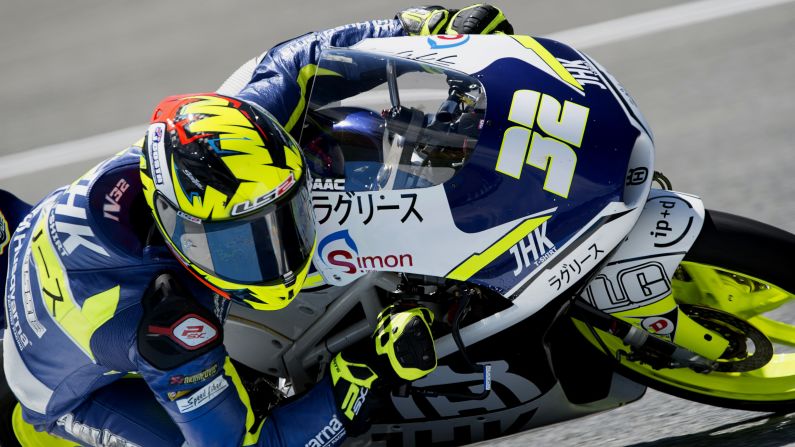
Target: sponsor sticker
[(533, 250), (338, 251), (156, 150), (445, 41), (13, 322), (191, 332), (27, 299), (194, 331), (174, 395), (194, 378), (112, 205), (92, 436), (5, 233), (331, 434), (637, 176), (658, 325), (644, 283), (673, 221), (364, 207), (204, 395), (328, 184), (583, 72)]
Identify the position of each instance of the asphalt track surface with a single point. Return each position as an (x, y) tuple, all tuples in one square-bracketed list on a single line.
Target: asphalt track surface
[(719, 95)]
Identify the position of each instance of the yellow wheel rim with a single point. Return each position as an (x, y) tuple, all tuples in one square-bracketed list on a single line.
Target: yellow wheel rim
[(756, 301)]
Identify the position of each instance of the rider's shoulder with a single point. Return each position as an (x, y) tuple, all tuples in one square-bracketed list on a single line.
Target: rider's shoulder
[(103, 215), (117, 206)]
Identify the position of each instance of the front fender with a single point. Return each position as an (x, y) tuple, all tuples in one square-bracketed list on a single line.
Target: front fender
[(635, 283)]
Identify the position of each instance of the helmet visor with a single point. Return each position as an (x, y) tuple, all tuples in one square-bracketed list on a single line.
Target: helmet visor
[(265, 246)]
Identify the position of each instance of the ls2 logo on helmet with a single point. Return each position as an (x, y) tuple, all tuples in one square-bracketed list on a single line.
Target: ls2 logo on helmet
[(261, 201), (338, 250)]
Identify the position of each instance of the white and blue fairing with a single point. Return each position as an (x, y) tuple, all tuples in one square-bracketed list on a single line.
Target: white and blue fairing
[(562, 163)]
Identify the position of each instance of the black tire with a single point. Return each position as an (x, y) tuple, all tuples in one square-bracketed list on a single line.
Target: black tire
[(7, 403), (744, 245), (740, 245)]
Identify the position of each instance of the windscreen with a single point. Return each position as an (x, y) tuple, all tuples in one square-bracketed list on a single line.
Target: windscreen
[(377, 122)]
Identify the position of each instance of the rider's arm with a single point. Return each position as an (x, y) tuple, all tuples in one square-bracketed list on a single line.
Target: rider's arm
[(213, 409), (281, 80), (281, 77), (180, 355)]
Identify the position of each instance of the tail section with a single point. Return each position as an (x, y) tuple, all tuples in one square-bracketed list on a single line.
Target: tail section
[(12, 211)]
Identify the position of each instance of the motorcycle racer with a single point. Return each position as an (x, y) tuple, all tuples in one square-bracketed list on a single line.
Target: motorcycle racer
[(128, 273)]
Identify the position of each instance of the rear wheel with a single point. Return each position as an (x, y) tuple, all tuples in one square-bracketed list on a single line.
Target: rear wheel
[(738, 281)]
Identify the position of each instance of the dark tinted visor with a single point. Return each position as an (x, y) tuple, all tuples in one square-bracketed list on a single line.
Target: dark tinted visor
[(262, 247)]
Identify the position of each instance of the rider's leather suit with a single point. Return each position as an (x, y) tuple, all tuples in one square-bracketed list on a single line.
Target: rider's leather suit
[(81, 269)]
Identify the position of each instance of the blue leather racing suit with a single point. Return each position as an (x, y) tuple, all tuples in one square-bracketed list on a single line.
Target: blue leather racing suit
[(82, 314)]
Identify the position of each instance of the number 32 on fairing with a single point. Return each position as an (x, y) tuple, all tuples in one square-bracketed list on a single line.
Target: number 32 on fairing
[(544, 139)]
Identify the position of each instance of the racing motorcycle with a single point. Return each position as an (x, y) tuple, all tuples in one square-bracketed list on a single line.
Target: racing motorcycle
[(507, 183)]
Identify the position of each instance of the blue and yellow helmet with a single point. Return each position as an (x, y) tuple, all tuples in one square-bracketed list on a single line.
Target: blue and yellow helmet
[(229, 192)]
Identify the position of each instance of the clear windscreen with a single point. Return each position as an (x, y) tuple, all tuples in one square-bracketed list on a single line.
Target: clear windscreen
[(377, 122)]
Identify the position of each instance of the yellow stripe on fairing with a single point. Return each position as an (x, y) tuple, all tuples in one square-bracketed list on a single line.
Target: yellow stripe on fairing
[(313, 280), (306, 73), (533, 45), (476, 262)]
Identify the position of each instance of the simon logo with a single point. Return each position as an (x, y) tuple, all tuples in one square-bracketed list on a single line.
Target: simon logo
[(339, 250)]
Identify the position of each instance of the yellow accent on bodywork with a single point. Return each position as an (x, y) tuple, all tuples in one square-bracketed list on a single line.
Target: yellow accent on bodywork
[(27, 435), (78, 323), (476, 262), (250, 438), (688, 333), (313, 280), (306, 73), (533, 45)]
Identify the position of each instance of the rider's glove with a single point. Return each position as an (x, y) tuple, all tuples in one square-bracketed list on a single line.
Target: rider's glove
[(404, 339), (424, 20), (364, 374), (476, 19)]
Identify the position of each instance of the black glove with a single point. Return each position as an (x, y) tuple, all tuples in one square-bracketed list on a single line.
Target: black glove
[(362, 376), (476, 19)]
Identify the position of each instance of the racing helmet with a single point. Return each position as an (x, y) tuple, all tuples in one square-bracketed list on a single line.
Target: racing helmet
[(229, 193)]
